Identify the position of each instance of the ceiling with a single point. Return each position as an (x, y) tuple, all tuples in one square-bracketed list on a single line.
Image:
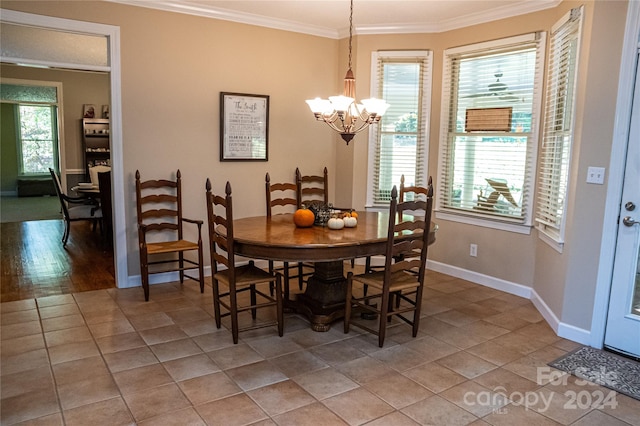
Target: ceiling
[(330, 18)]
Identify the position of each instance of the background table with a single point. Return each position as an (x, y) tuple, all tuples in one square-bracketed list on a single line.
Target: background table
[(277, 238)]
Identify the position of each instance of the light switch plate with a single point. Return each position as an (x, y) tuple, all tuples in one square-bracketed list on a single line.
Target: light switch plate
[(595, 175)]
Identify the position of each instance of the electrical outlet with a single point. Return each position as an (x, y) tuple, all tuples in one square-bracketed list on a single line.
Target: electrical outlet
[(595, 175), (473, 250)]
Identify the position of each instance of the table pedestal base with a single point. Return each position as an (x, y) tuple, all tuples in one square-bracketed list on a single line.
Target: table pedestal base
[(323, 300)]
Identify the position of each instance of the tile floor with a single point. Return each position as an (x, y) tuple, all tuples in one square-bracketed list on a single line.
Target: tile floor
[(106, 357)]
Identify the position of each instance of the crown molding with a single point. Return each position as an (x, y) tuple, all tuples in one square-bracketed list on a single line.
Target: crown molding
[(494, 14)]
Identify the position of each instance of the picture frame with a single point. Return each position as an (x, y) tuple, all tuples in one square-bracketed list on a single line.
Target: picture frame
[(105, 111), (244, 127), (89, 111)]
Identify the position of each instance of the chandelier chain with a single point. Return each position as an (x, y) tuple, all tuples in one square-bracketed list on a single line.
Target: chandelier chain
[(350, 31)]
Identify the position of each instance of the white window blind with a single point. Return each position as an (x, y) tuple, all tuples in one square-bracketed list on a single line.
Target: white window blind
[(399, 143), (491, 98), (558, 125)]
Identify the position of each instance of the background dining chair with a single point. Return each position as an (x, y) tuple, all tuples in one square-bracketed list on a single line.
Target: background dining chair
[(93, 173), (406, 193), (282, 198), (237, 279), (312, 188), (406, 233), (75, 209), (104, 185), (159, 213)]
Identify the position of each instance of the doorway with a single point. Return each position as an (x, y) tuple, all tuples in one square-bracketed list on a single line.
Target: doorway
[(623, 320), (109, 36)]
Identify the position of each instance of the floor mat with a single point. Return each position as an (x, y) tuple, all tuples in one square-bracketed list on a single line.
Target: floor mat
[(604, 368)]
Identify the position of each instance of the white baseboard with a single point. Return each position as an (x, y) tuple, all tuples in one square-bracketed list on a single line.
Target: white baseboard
[(162, 278), (563, 330), (478, 278)]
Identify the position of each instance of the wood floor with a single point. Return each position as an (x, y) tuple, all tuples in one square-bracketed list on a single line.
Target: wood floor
[(34, 263)]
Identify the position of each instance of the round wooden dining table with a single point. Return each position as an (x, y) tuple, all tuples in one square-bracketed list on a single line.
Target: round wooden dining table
[(277, 238)]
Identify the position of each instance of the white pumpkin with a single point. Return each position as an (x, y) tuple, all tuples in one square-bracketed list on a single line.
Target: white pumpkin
[(350, 222), (335, 223)]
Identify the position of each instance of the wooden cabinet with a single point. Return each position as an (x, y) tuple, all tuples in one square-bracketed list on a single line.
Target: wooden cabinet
[(95, 137)]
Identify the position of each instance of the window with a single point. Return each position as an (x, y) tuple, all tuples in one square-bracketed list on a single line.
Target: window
[(558, 127), (36, 112), (491, 98), (399, 144), (37, 140)]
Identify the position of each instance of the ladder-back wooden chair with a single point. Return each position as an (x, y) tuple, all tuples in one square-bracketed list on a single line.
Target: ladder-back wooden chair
[(402, 277), (237, 279), (161, 233), (282, 198), (312, 188)]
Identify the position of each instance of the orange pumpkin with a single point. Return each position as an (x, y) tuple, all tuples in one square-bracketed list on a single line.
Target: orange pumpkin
[(354, 214), (303, 218)]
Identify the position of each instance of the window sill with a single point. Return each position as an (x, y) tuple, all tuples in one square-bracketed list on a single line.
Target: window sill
[(550, 240), (485, 223)]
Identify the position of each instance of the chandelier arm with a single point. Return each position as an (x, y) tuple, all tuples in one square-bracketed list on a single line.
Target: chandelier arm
[(333, 126), (363, 126)]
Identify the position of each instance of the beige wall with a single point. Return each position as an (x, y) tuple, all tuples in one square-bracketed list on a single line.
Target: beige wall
[(174, 66)]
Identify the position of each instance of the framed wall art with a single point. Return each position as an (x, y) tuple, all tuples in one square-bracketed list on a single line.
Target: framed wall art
[(244, 127)]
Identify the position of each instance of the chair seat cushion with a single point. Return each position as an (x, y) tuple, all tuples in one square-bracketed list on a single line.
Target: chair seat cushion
[(171, 246), (84, 212), (247, 274), (400, 280)]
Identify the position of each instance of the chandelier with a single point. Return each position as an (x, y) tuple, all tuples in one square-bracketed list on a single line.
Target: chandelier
[(342, 113)]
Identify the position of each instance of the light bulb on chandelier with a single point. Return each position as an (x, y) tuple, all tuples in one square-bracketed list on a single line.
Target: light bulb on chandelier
[(342, 113)]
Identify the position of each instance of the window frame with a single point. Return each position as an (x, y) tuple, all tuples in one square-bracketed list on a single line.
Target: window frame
[(57, 123), (467, 216), (553, 233), (425, 56), (53, 110)]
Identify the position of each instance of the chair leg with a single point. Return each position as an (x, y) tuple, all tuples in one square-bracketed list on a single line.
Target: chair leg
[(279, 305), (144, 275), (201, 269), (417, 311), (347, 304), (233, 302), (254, 301), (300, 276), (216, 302), (181, 263), (65, 236), (271, 285), (286, 280), (382, 321)]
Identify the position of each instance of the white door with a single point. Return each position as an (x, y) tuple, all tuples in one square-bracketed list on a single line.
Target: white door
[(623, 319)]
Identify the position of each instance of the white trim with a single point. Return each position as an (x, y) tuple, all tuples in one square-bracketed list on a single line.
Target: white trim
[(491, 44), (484, 222), (113, 36), (576, 334), (52, 64), (616, 174), (550, 240), (202, 9), (482, 279)]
